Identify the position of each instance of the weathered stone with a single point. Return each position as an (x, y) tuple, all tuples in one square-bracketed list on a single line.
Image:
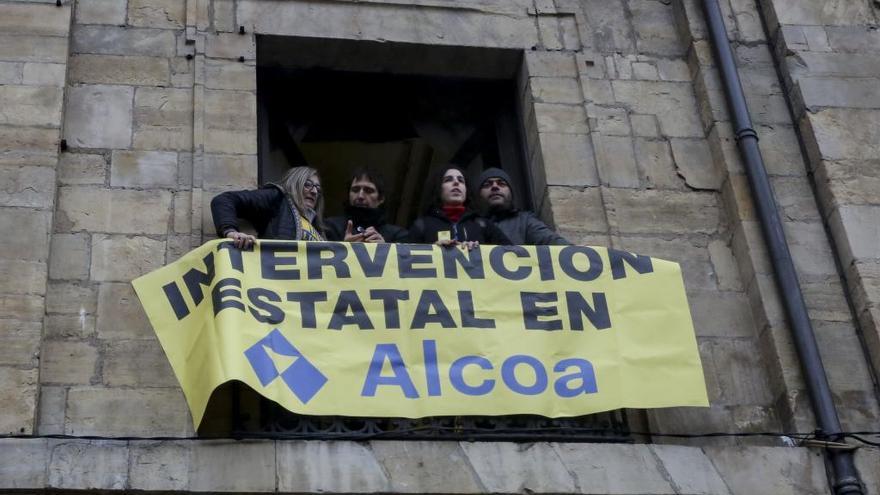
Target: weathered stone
[(504, 25), (34, 19), (853, 38), (29, 146), (80, 168), (113, 210), (20, 343), (65, 326), (120, 40), (159, 466), (30, 243), (425, 467), (179, 245), (661, 212), (578, 208), (19, 396), (694, 163), (609, 33), (98, 116), (224, 15), (11, 72), (223, 172), (556, 90), (23, 463), (231, 142), (655, 28), (23, 277), (42, 74), (31, 187), (246, 466), (568, 159), (645, 71), (68, 362), (726, 271), (690, 470), (674, 105), (101, 12), (505, 467), (609, 121), (163, 138), (183, 212), (644, 125), (739, 369), (230, 46), (795, 199), (613, 468), (810, 249), (598, 91), (832, 12), (839, 134), (567, 119), (156, 13), (689, 420), (226, 74), (692, 254), (88, 464), (120, 69), (837, 92), (550, 64), (616, 161), (71, 298), (143, 169), (70, 257), (323, 466), (127, 412), (655, 165), (163, 107), (23, 307), (230, 109), (769, 470), (182, 73), (31, 48), (136, 363), (120, 258), (848, 182)]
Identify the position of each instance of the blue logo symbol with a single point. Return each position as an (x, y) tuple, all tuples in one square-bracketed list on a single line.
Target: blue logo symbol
[(300, 376)]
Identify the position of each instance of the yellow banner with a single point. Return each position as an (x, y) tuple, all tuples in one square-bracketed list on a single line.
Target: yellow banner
[(401, 330)]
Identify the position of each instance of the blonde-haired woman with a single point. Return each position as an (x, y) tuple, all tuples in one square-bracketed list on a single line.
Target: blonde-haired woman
[(292, 208)]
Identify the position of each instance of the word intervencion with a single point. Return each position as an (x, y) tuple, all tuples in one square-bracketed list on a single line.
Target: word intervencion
[(351, 266)]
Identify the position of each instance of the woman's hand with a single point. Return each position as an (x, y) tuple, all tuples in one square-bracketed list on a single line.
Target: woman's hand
[(240, 239), (448, 243)]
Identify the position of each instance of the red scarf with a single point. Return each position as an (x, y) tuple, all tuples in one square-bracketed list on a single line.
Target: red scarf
[(453, 212)]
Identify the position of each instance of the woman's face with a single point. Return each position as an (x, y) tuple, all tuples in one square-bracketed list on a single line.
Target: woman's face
[(311, 191), (452, 189)]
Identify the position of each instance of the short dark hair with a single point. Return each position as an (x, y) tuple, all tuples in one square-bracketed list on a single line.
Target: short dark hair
[(367, 173)]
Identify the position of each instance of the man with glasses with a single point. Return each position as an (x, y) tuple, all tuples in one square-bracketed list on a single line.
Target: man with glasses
[(364, 218), (522, 227)]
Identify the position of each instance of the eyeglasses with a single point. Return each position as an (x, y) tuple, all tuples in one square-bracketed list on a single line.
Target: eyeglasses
[(309, 185)]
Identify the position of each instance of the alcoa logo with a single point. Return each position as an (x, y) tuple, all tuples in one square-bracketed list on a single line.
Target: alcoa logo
[(274, 352)]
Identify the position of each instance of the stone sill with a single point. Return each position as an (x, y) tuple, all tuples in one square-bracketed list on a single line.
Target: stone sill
[(299, 466)]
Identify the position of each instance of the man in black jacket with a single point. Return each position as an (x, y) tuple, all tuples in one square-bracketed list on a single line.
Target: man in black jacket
[(522, 227), (364, 219)]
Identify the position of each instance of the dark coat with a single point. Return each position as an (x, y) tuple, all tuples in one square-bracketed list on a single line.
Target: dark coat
[(364, 217), (268, 209), (524, 228), (470, 227)]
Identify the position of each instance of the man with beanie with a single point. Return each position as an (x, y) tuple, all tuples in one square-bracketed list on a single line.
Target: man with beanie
[(522, 227), (364, 219)]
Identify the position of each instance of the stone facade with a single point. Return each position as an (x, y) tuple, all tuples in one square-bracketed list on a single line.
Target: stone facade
[(628, 143)]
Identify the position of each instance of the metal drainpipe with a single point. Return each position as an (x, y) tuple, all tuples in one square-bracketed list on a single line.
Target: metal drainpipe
[(846, 479)]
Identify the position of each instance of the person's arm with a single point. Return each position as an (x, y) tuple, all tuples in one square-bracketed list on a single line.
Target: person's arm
[(252, 205), (539, 233), (416, 233), (394, 233)]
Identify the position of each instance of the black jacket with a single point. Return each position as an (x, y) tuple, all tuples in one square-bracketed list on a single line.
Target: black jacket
[(524, 228), (268, 209), (363, 217), (470, 227)]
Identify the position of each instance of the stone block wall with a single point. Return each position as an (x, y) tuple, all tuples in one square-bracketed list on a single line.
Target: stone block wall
[(829, 60), (628, 144)]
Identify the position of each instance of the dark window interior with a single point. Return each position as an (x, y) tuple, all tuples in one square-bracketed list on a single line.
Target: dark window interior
[(336, 115)]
